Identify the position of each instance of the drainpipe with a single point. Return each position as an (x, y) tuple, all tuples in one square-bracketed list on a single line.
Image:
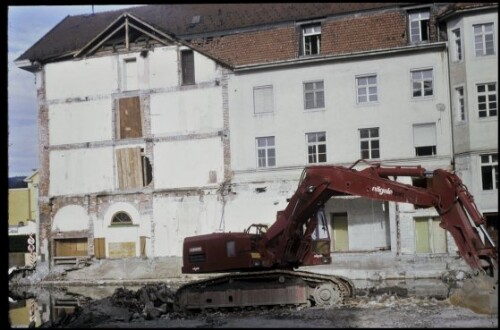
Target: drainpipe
[(450, 92)]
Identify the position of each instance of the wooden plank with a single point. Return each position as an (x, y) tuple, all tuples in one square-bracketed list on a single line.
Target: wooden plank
[(121, 249), (130, 117)]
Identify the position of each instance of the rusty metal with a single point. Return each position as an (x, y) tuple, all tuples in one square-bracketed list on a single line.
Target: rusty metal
[(266, 288)]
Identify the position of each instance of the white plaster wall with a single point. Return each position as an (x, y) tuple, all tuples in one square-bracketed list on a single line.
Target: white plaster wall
[(484, 69), (367, 220), (81, 171), (175, 218), (119, 234), (187, 163), (247, 206), (71, 217), (80, 122), (164, 71), (187, 111), (205, 68), (395, 113), (88, 77)]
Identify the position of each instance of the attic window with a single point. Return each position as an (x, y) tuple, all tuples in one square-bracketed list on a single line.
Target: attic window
[(419, 26), (311, 39), (195, 20)]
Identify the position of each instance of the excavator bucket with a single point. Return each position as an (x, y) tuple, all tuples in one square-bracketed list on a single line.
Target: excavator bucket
[(478, 293)]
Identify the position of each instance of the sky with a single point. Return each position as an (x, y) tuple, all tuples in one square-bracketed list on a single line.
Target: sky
[(27, 25)]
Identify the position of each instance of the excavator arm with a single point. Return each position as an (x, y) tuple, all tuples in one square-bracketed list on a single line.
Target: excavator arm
[(285, 243)]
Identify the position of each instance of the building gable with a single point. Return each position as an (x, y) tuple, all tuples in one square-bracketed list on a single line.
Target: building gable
[(125, 33)]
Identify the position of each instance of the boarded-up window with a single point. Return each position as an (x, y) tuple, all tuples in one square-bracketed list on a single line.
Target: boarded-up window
[(129, 167), (71, 247), (187, 63), (134, 169), (130, 117), (121, 249)]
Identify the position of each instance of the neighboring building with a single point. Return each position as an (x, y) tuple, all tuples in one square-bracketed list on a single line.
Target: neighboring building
[(164, 121), (23, 220), (472, 31)]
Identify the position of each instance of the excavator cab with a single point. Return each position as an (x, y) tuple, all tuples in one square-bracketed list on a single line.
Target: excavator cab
[(320, 241)]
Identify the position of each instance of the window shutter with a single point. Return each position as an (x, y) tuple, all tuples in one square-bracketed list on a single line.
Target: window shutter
[(263, 99), (424, 135)]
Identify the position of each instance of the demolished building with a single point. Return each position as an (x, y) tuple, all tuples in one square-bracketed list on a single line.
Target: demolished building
[(164, 121)]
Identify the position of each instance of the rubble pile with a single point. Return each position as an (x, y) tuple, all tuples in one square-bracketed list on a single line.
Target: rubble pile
[(150, 302)]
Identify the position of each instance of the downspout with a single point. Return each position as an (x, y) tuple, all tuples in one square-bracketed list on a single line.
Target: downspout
[(450, 92)]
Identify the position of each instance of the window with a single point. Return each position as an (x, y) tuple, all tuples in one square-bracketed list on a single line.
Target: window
[(314, 95), (459, 97), (266, 152), (369, 143), (231, 248), (419, 26), (424, 139), (421, 82), (129, 113), (487, 100), (489, 171), (367, 89), (311, 39), (121, 218), (484, 39), (187, 63), (316, 147), (263, 99), (134, 169), (457, 41), (130, 81)]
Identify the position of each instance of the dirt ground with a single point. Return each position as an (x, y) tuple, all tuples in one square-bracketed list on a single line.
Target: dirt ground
[(151, 307)]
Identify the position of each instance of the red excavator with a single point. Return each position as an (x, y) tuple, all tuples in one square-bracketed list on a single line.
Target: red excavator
[(259, 262)]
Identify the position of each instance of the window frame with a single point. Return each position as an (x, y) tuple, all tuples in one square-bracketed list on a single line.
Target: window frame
[(367, 89), (494, 170), (315, 36), (266, 148), (126, 74), (315, 91), (487, 102), (423, 148), (419, 19), (188, 77), (483, 34), (316, 154), (421, 82), (369, 139), (121, 223), (460, 104), (457, 45)]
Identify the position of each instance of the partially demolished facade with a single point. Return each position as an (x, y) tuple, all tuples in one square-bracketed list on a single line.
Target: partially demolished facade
[(165, 121)]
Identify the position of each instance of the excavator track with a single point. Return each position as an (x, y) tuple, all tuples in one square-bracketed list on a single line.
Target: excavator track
[(264, 288)]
